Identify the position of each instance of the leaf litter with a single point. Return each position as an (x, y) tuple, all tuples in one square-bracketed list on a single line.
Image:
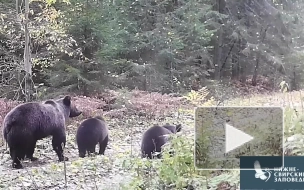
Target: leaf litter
[(106, 172)]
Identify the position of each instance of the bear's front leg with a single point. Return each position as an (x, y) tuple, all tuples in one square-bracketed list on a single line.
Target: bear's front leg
[(58, 143)]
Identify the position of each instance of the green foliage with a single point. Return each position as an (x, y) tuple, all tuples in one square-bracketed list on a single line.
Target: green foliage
[(178, 170), (73, 78), (284, 86), (175, 172), (200, 97), (155, 46), (296, 69), (202, 140), (293, 132), (114, 31)]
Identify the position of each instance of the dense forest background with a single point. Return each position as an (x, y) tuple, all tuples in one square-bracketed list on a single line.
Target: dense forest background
[(165, 46)]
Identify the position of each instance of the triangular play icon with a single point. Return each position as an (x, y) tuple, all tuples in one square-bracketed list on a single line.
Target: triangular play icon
[(235, 138)]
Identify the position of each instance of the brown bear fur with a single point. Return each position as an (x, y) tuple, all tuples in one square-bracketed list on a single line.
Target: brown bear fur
[(155, 137), (92, 131), (173, 128), (29, 122)]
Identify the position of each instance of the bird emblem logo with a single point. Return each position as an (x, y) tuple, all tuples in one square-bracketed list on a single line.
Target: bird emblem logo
[(263, 175)]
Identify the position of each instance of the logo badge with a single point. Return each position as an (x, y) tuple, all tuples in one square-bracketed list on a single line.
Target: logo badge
[(263, 175), (290, 176)]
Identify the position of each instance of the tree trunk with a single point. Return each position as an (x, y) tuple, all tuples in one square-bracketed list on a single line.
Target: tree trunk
[(255, 73), (258, 57), (219, 6), (217, 54), (294, 83), (27, 56), (235, 67)]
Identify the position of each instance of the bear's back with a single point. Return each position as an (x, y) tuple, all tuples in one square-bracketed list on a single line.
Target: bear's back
[(32, 116), (92, 129), (171, 128), (156, 132), (153, 139)]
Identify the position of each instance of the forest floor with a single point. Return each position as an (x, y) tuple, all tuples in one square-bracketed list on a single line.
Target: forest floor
[(129, 116)]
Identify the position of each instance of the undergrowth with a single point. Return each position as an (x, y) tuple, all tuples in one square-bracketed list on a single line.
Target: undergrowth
[(122, 156)]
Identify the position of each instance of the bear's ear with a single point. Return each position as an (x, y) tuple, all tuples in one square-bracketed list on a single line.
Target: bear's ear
[(178, 128), (67, 100)]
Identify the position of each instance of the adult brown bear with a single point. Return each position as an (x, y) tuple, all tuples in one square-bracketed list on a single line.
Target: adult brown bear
[(155, 137), (29, 122), (92, 131)]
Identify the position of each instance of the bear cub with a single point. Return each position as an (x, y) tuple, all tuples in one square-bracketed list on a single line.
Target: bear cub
[(29, 122), (91, 132), (155, 137), (172, 128)]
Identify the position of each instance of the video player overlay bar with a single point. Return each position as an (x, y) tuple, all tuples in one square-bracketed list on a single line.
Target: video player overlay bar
[(224, 134)]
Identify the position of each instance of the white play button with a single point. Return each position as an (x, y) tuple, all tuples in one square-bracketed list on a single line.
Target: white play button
[(235, 138)]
